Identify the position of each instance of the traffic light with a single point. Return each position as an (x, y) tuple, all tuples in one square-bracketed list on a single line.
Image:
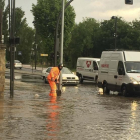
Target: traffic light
[(128, 1), (14, 40)]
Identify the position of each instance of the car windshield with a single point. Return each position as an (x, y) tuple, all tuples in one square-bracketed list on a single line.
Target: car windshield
[(17, 61), (66, 71), (132, 67)]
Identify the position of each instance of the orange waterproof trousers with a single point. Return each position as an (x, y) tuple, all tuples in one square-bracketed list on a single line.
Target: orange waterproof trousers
[(53, 88)]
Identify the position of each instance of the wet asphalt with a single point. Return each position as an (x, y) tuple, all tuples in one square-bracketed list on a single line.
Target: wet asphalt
[(81, 113)]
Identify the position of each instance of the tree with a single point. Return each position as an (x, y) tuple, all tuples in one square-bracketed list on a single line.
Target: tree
[(45, 14), (2, 2), (82, 40), (5, 25), (26, 35)]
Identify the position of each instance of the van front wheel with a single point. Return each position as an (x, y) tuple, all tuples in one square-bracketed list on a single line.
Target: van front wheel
[(105, 89), (124, 91), (80, 79)]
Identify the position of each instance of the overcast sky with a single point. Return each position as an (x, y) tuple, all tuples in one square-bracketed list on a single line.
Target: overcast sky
[(98, 9)]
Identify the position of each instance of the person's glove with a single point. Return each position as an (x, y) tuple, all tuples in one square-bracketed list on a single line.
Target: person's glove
[(56, 80), (52, 79)]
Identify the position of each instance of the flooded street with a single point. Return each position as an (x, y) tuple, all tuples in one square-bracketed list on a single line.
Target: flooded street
[(80, 113)]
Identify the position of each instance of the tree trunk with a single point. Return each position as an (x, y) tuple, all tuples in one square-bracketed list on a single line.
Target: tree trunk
[(0, 26), (2, 60)]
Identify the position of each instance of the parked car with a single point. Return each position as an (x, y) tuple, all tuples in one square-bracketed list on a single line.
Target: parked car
[(68, 78), (17, 64)]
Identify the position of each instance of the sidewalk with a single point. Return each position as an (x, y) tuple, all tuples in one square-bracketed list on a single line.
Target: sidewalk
[(30, 67), (31, 70)]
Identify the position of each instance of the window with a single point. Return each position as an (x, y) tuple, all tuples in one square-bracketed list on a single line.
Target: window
[(132, 67), (120, 68), (48, 70), (95, 67)]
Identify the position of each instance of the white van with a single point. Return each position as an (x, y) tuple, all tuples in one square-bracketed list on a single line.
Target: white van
[(119, 71), (87, 68)]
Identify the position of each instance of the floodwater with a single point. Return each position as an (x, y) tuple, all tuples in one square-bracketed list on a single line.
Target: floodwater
[(80, 113)]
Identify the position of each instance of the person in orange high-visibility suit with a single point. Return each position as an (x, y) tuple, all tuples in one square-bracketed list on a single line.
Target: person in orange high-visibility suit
[(53, 78)]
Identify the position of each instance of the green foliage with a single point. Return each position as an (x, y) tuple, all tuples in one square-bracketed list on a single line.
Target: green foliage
[(85, 39), (2, 3), (5, 25), (82, 40), (25, 33), (90, 38), (46, 14)]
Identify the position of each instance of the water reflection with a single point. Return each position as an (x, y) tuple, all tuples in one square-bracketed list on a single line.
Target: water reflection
[(17, 77), (53, 118), (133, 119)]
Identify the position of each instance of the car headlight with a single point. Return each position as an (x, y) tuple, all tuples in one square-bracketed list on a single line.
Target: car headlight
[(76, 78), (64, 78), (133, 80)]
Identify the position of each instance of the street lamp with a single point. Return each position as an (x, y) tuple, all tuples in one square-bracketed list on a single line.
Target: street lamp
[(115, 34), (35, 44), (56, 43), (32, 54)]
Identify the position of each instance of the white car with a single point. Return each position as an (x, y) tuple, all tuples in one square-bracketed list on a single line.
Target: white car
[(68, 78), (17, 64)]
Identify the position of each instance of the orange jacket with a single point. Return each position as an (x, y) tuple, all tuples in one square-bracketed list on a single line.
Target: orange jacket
[(54, 73)]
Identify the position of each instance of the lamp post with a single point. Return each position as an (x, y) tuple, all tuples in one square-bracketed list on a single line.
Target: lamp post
[(32, 54), (12, 44), (61, 48), (56, 43), (35, 44), (35, 55), (115, 34)]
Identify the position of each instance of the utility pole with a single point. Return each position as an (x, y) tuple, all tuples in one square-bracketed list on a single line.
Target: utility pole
[(2, 56), (115, 34), (35, 55), (0, 26), (56, 43), (12, 45), (61, 46), (35, 44)]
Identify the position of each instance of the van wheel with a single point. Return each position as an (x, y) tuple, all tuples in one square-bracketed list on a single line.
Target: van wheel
[(80, 79), (124, 91), (105, 89)]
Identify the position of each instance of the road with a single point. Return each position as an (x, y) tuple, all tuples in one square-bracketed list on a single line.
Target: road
[(82, 112)]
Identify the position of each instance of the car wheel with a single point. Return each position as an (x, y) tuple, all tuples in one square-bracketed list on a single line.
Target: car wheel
[(80, 79), (105, 89), (45, 81), (124, 91)]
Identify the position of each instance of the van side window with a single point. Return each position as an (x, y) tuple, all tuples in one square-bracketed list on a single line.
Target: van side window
[(95, 67), (121, 68)]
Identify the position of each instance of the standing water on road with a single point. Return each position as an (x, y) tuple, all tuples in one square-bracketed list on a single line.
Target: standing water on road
[(80, 113)]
